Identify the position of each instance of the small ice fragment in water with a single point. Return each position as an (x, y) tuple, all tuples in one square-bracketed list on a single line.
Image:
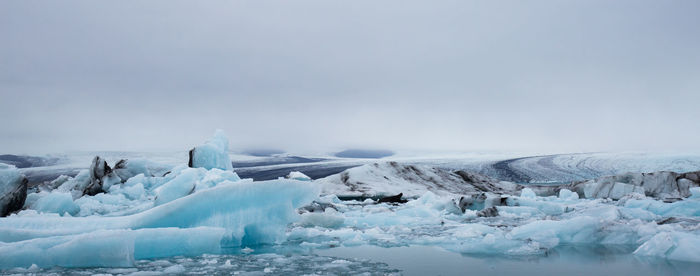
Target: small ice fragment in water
[(297, 175), (174, 269), (567, 194)]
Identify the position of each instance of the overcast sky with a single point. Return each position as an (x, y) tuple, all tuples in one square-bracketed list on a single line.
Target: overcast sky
[(548, 76)]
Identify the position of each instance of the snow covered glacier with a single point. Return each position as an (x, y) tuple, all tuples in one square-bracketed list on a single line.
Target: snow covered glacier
[(115, 216)]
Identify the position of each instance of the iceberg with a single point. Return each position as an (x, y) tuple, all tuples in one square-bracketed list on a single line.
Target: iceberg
[(522, 225), (13, 189), (130, 214), (663, 185), (248, 213), (527, 193), (230, 205), (213, 154), (297, 175), (187, 212), (566, 194), (182, 185), (111, 248), (689, 207), (55, 202), (676, 246)]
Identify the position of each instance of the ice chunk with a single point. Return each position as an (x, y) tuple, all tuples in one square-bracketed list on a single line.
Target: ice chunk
[(549, 208), (58, 182), (175, 269), (190, 180), (695, 193), (78, 183), (213, 154), (152, 182), (662, 184), (518, 211), (13, 189), (328, 219), (630, 213), (600, 211), (621, 189), (126, 169), (567, 194), (111, 248), (215, 176), (297, 175), (56, 202), (478, 201), (689, 207), (673, 246), (251, 212), (101, 177), (182, 185), (576, 230), (103, 204), (527, 193), (132, 192)]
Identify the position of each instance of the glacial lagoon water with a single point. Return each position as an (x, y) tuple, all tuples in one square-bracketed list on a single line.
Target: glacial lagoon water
[(407, 260), (566, 260)]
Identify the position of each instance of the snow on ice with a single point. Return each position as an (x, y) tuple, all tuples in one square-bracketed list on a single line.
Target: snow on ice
[(204, 208)]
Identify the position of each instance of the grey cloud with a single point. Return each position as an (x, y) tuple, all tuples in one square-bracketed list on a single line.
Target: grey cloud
[(449, 75)]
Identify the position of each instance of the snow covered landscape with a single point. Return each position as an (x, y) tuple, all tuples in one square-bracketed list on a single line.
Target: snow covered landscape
[(141, 214), (316, 137)]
